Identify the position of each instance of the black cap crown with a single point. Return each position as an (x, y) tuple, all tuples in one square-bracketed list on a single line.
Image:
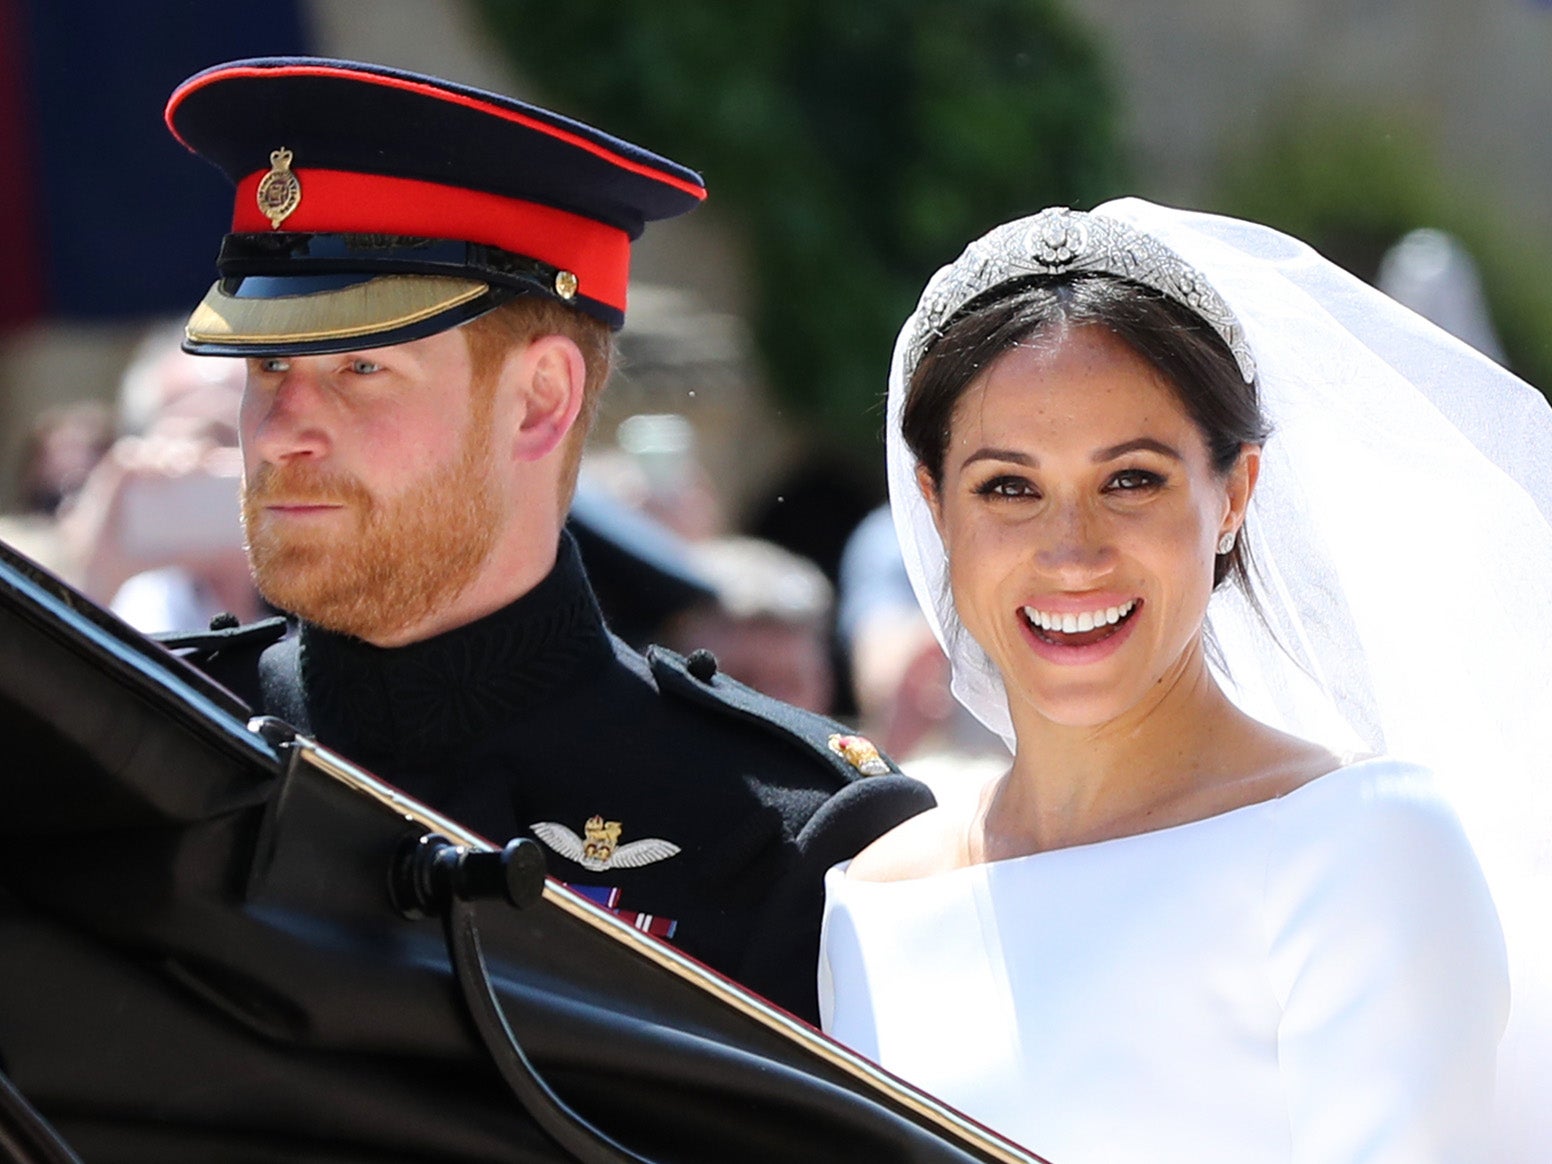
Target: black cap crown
[(376, 206)]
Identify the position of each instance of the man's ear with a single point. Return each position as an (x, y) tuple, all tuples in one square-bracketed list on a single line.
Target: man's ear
[(550, 375)]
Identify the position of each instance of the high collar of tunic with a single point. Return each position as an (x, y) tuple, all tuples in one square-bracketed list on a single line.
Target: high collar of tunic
[(445, 692)]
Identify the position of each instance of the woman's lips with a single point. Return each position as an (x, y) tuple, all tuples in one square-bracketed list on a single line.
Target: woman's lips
[(1096, 631)]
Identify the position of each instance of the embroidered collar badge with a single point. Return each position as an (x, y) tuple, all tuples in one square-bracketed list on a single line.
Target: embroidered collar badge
[(600, 847)]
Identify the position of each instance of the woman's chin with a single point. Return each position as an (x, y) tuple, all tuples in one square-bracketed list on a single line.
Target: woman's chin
[(1076, 707)]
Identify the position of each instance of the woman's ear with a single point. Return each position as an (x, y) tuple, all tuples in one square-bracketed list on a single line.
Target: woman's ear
[(929, 492), (1241, 484), (550, 375)]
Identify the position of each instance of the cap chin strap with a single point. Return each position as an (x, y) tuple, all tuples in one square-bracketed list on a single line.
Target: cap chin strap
[(287, 253)]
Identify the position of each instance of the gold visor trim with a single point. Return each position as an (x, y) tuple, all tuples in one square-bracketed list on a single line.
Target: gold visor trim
[(385, 303)]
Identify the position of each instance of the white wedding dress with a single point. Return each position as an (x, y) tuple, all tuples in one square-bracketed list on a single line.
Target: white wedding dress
[(1316, 979)]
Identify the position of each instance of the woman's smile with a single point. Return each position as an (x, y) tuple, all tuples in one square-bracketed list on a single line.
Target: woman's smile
[(1072, 637)]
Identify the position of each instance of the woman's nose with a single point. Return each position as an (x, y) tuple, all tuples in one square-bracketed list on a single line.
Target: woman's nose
[(1074, 541)]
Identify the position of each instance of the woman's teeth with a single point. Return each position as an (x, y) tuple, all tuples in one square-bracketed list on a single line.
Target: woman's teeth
[(1071, 624)]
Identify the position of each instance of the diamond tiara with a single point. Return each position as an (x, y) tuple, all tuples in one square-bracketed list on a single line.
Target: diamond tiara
[(1058, 240)]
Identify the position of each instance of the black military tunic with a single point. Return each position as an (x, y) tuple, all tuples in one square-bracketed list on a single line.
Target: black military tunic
[(698, 808)]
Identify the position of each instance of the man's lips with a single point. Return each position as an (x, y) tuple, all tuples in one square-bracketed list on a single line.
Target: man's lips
[(301, 508)]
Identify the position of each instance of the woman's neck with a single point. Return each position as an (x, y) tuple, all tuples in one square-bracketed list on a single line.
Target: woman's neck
[(1155, 765)]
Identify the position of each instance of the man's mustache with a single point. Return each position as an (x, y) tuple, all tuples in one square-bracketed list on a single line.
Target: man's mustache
[(303, 484)]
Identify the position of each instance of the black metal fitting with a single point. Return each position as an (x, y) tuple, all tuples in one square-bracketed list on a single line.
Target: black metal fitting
[(431, 871)]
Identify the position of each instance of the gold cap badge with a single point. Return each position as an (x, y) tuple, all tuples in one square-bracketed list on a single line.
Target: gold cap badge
[(859, 752), (565, 284), (280, 191)]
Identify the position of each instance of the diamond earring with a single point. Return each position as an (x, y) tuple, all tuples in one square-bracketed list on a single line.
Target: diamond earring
[(1226, 542)]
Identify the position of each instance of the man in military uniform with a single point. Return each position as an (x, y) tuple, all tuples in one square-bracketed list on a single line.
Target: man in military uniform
[(424, 280)]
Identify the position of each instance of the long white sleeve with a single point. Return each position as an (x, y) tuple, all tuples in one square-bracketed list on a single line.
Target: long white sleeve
[(1385, 954)]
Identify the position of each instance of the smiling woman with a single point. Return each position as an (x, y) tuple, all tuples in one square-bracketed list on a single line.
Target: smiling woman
[(1085, 444), (1209, 913)]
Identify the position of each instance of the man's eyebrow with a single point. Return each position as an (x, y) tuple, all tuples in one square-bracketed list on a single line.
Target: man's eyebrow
[(1145, 444)]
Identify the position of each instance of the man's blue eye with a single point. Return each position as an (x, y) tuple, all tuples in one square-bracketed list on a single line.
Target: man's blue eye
[(364, 367)]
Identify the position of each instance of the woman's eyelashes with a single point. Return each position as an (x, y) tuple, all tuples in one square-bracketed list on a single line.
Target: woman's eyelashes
[(1006, 485), (1135, 481), (1010, 486)]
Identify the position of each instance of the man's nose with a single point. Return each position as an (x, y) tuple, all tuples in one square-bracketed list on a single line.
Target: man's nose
[(287, 420)]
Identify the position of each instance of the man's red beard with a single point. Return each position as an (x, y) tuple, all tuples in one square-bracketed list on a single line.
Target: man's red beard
[(401, 561)]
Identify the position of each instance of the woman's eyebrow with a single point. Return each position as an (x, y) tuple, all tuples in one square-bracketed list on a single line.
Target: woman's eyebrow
[(1099, 456), (1146, 444), (991, 454)]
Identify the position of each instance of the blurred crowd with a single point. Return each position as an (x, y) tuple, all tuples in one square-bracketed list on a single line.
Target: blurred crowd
[(136, 504)]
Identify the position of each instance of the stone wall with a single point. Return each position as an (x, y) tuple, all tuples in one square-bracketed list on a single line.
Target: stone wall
[(1199, 76)]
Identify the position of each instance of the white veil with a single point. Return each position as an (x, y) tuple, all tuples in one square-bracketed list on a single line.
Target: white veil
[(1401, 534)]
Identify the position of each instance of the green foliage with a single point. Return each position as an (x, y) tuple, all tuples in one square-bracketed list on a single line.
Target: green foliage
[(858, 143), (1352, 183)]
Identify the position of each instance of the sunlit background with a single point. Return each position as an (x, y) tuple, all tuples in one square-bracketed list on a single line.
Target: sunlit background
[(850, 147)]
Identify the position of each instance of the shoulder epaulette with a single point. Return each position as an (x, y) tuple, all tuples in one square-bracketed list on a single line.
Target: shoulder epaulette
[(225, 634), (696, 679)]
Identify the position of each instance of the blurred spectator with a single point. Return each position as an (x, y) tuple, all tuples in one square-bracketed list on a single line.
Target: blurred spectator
[(640, 569), (655, 468), (898, 673), (155, 530), (165, 392), (770, 624), (1433, 274), (900, 676), (59, 452)]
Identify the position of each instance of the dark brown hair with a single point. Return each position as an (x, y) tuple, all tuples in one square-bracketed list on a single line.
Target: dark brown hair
[(1183, 348)]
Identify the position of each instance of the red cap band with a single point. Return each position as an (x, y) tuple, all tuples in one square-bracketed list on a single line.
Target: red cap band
[(334, 201)]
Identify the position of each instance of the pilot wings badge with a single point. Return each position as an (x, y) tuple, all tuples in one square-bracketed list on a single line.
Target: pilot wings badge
[(600, 847)]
